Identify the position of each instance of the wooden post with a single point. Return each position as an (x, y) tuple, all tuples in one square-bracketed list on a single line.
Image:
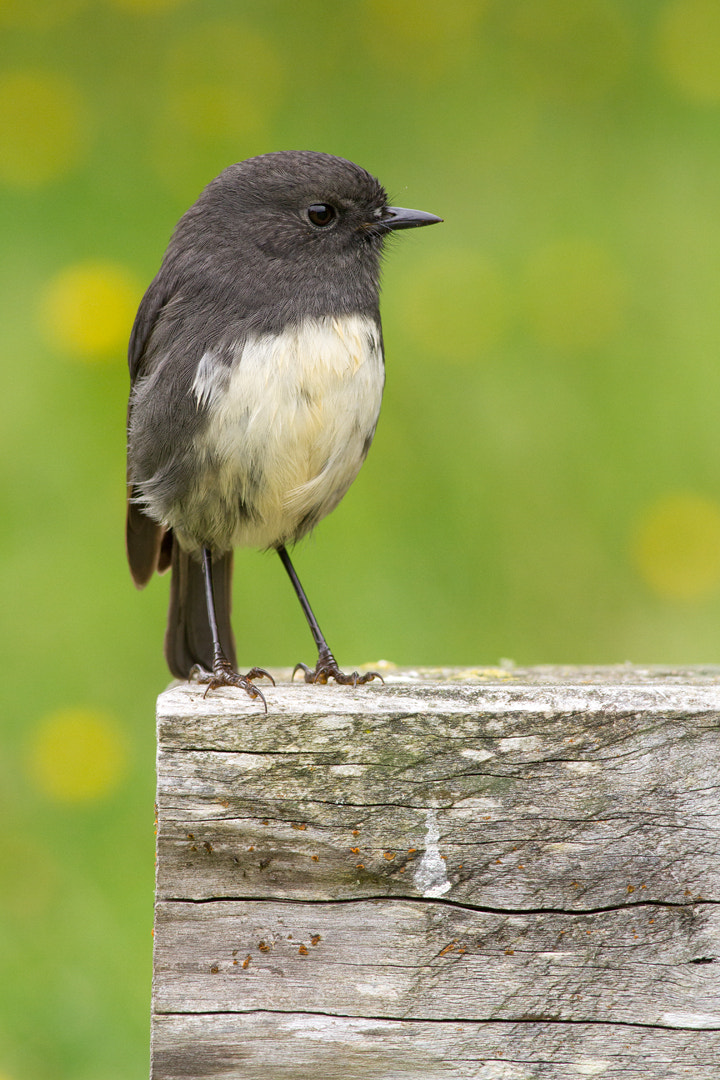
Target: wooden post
[(461, 874)]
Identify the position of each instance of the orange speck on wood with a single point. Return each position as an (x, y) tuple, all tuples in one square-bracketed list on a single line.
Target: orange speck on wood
[(509, 952), (355, 850), (315, 939), (631, 888), (314, 858), (263, 946), (303, 950), (360, 866), (246, 961), (447, 949), (389, 855)]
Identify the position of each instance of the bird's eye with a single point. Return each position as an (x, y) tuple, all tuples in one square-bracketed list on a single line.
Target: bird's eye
[(321, 214)]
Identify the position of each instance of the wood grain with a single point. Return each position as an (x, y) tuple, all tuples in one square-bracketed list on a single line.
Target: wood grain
[(268, 1046), (366, 876)]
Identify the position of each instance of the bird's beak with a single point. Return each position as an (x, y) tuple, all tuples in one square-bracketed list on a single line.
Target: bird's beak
[(395, 217)]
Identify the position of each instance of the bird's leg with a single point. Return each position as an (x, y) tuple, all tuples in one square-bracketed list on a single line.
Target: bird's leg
[(223, 673), (326, 667)]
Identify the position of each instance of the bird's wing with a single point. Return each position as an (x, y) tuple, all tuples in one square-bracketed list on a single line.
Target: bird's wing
[(147, 543), (154, 300)]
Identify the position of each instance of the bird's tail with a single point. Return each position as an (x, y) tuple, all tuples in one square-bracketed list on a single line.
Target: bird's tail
[(188, 640)]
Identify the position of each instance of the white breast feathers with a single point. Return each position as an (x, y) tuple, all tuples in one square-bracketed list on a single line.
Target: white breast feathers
[(289, 425)]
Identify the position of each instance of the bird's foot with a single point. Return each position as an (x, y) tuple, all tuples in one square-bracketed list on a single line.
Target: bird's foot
[(223, 674), (327, 668)]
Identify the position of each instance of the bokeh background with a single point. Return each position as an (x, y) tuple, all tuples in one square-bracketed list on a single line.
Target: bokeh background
[(545, 481)]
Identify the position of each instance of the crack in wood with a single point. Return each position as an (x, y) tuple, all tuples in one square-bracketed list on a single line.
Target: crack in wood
[(289, 943), (444, 902), (538, 1018)]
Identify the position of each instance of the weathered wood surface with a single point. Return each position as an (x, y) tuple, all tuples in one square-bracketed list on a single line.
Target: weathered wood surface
[(272, 1046), (460, 874)]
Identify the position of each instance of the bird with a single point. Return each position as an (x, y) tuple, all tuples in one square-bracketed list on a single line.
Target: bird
[(256, 376)]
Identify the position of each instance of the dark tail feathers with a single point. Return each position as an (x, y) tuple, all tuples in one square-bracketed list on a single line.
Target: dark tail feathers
[(187, 639)]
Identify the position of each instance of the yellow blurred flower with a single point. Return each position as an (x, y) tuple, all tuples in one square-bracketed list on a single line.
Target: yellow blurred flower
[(88, 308), (676, 546), (688, 47), (77, 755), (43, 127)]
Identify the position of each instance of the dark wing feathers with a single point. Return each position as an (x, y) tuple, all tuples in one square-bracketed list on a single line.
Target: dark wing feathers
[(151, 305), (152, 547), (144, 538)]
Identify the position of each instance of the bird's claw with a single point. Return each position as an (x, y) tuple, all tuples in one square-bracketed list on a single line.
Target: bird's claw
[(327, 668), (223, 674)]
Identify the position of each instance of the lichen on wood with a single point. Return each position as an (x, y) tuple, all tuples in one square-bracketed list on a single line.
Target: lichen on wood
[(456, 869)]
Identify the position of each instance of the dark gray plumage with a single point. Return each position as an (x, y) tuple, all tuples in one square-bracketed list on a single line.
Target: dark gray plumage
[(256, 375)]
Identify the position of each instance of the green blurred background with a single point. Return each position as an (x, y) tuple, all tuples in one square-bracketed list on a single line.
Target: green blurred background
[(545, 481)]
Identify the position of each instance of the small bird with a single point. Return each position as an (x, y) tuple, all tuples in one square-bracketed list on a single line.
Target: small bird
[(257, 371)]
